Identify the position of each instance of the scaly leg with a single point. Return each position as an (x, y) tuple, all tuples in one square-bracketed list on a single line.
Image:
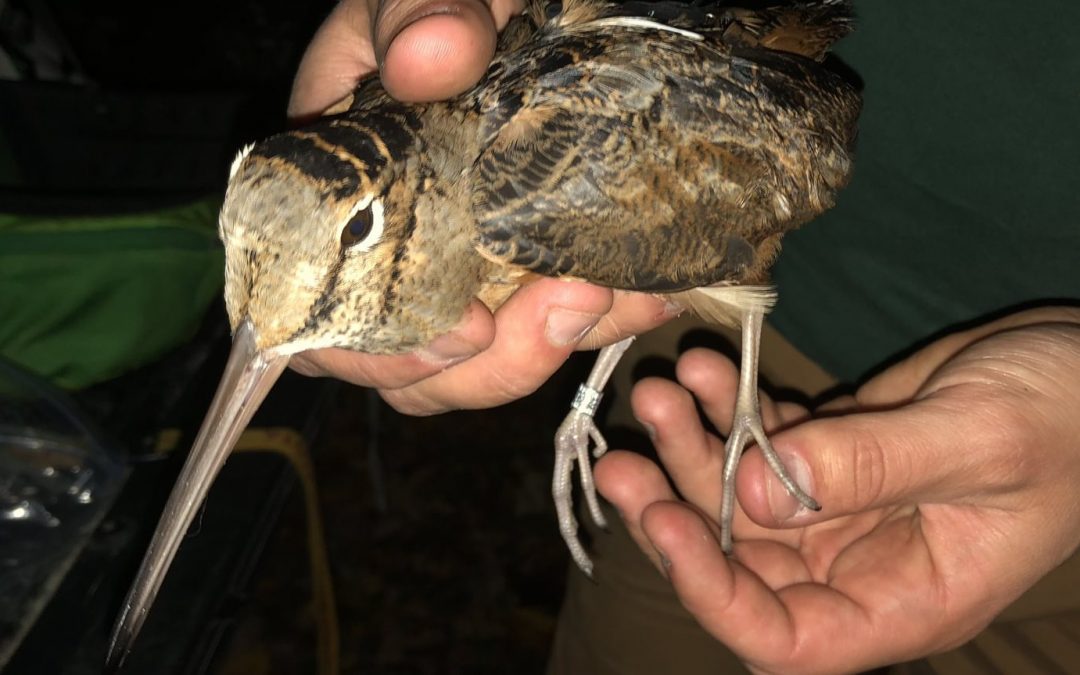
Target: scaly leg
[(572, 443), (745, 424)]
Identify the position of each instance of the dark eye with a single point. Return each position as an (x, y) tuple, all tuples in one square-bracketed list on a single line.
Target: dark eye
[(358, 227)]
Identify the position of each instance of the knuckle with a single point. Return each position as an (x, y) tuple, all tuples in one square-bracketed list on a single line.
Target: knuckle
[(505, 385), (1006, 432), (873, 469), (411, 401)]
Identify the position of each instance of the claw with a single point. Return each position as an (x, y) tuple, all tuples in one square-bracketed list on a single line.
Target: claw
[(572, 445)]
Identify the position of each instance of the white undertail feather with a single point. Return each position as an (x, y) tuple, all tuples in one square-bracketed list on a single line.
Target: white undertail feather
[(647, 24), (726, 305), (585, 14)]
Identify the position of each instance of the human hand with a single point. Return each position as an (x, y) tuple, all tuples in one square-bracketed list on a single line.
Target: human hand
[(427, 50), (947, 485)]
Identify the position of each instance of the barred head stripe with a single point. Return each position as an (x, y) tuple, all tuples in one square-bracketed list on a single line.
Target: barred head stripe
[(357, 140), (318, 137), (313, 159), (394, 131)]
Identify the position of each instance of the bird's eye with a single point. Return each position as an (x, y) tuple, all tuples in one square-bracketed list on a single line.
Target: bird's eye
[(358, 227), (364, 228)]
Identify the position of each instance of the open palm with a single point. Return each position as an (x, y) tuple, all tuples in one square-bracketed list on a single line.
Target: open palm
[(947, 485)]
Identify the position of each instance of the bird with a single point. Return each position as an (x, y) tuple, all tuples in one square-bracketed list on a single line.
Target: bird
[(661, 147)]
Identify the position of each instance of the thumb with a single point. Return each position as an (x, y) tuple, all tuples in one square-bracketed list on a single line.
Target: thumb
[(853, 463), (339, 55), (432, 49)]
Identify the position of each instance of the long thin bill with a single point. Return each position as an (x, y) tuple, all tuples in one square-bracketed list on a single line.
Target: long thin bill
[(249, 375)]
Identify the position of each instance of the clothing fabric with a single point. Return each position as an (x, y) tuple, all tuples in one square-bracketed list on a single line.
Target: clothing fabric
[(963, 199)]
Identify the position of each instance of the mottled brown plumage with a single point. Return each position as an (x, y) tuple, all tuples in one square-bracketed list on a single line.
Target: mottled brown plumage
[(658, 147)]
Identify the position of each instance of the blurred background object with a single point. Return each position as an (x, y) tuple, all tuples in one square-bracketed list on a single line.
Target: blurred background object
[(58, 479), (118, 121)]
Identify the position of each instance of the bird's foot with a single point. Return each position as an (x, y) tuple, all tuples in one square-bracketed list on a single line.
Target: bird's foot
[(745, 426), (572, 444)]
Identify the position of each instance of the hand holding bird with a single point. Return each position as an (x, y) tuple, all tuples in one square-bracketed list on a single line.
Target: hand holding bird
[(497, 357), (664, 151)]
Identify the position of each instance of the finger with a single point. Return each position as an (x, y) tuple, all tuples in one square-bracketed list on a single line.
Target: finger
[(692, 457), (502, 10), (732, 604), (902, 382), (536, 330), (433, 49), (788, 412), (630, 314), (714, 381), (393, 16), (339, 55), (472, 335), (784, 624), (840, 404), (632, 482), (428, 50), (918, 453)]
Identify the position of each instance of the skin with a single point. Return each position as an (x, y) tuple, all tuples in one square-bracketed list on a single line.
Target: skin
[(425, 50), (947, 484)]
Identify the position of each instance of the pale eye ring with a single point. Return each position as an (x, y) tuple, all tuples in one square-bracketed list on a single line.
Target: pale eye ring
[(364, 228), (358, 228)]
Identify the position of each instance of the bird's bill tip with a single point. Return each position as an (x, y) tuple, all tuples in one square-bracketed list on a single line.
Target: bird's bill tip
[(249, 375)]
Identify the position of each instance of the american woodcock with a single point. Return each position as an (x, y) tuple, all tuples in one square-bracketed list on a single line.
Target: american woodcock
[(662, 147)]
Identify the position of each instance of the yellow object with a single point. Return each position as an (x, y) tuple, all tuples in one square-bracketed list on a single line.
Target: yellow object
[(291, 445)]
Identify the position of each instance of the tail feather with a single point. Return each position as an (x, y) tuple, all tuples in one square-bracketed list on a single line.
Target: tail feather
[(726, 305), (805, 28)]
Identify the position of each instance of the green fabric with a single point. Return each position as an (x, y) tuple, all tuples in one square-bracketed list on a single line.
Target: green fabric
[(85, 299), (966, 193)]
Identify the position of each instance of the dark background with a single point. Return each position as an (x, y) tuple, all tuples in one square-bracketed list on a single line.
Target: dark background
[(124, 105)]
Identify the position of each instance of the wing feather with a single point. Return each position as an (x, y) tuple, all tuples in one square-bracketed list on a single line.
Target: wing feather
[(648, 158)]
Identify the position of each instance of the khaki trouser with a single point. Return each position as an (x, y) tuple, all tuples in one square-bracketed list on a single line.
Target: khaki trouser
[(629, 621)]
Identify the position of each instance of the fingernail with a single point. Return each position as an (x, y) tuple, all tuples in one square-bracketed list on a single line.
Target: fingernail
[(673, 309), (783, 504), (649, 429), (665, 564), (446, 350), (565, 327)]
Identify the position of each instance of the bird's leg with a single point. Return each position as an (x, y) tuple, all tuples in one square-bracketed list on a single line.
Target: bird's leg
[(572, 443), (746, 424)]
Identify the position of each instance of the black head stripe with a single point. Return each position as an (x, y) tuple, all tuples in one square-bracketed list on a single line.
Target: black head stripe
[(311, 159)]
